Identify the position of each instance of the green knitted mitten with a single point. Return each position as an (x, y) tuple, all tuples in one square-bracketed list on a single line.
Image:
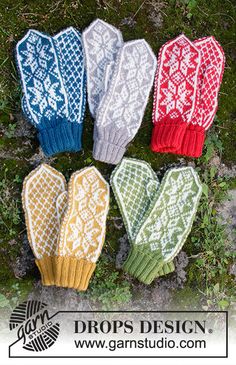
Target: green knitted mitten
[(165, 226), (134, 184)]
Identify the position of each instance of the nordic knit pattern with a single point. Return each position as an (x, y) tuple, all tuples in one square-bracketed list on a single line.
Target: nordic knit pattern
[(166, 224), (210, 77), (175, 91), (157, 220), (83, 227), (53, 81), (101, 43), (69, 45), (134, 184), (209, 81), (61, 205), (185, 98), (43, 208), (121, 110)]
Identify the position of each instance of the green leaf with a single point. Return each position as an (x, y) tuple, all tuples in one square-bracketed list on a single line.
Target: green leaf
[(222, 184), (205, 219), (205, 189), (200, 262), (213, 171), (223, 303), (4, 302), (192, 4), (216, 288)]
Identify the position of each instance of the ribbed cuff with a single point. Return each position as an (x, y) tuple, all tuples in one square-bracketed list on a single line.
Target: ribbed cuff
[(193, 141), (63, 137), (143, 266), (77, 130), (167, 137), (46, 268), (73, 273), (107, 152), (167, 268)]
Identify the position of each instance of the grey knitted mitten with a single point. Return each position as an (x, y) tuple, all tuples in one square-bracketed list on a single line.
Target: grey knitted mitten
[(121, 109), (101, 43)]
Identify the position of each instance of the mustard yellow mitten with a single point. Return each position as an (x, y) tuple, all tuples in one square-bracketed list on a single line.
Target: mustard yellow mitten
[(44, 200), (83, 227)]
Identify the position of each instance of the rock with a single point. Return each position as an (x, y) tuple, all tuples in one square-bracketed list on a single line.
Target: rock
[(39, 157), (59, 298), (24, 128), (232, 270), (226, 171), (25, 262), (124, 247), (215, 161), (227, 216), (129, 21)]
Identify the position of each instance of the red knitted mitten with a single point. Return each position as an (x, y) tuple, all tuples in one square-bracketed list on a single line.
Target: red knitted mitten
[(209, 80), (186, 136), (175, 93)]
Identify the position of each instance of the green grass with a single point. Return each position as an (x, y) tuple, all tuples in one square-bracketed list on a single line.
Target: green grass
[(107, 288), (208, 243), (157, 21)]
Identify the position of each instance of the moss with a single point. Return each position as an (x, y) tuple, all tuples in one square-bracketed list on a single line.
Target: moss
[(186, 298), (15, 291), (232, 184)]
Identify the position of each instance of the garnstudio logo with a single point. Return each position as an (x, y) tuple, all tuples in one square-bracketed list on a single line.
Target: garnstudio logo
[(34, 326)]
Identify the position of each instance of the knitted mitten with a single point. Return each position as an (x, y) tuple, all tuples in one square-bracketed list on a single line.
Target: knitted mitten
[(101, 44), (134, 184), (188, 139), (44, 202), (121, 110), (209, 80), (165, 226), (83, 229), (175, 93), (53, 81), (61, 205)]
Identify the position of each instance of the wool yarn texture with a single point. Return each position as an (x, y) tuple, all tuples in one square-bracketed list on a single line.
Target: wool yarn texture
[(135, 184), (187, 84), (165, 220), (120, 77), (120, 113), (102, 42), (53, 78), (66, 230), (44, 200), (83, 228)]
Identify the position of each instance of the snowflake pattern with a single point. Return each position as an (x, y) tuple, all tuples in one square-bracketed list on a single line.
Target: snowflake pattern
[(53, 76), (101, 44), (123, 106), (168, 221), (158, 219), (82, 231), (44, 92), (176, 80)]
